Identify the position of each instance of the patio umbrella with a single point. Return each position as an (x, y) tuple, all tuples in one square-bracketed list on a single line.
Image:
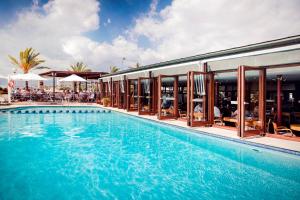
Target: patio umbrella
[(27, 77), (72, 78)]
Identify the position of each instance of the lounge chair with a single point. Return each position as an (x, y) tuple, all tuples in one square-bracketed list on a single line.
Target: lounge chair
[(198, 116), (168, 111), (219, 121), (282, 130), (4, 102), (182, 114)]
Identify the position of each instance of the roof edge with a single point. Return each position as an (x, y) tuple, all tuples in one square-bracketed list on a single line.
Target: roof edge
[(276, 43)]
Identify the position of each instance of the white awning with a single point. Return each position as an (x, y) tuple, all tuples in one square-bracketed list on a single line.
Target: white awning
[(27, 77), (72, 78)]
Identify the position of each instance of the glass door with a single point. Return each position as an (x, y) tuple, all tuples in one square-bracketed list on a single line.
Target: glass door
[(132, 94), (115, 93), (168, 97), (122, 92), (251, 100), (201, 98), (145, 96)]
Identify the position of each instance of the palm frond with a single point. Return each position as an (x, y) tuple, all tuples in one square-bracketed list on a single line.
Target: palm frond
[(114, 69), (79, 67), (41, 67), (28, 60), (13, 60)]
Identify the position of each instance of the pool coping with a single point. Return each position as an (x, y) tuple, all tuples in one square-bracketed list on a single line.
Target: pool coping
[(241, 141), (238, 140)]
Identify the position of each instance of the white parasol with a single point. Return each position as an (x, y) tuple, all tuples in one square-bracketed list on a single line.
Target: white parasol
[(72, 78)]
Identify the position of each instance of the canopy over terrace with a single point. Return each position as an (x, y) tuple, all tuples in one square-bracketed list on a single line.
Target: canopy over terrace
[(63, 74), (86, 75)]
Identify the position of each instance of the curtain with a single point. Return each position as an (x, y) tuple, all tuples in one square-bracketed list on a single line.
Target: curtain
[(109, 88), (199, 85), (147, 86), (122, 85)]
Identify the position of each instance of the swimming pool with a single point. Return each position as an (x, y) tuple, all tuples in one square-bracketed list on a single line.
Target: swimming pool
[(94, 155)]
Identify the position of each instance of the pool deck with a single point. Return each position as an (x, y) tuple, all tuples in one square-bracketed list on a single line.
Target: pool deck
[(273, 142), (260, 140)]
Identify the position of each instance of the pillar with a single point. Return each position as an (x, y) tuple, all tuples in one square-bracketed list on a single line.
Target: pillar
[(159, 97), (86, 84), (53, 84), (279, 101), (216, 103), (111, 92), (262, 99), (241, 100), (176, 97), (188, 99)]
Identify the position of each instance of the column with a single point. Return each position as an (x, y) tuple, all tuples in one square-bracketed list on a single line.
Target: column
[(53, 85), (279, 100), (159, 96), (241, 100), (262, 99), (176, 97), (188, 99)]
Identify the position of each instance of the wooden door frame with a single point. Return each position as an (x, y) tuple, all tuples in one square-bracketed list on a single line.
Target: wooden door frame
[(209, 82), (122, 96), (261, 100), (115, 94), (175, 85), (101, 91), (151, 110), (128, 84)]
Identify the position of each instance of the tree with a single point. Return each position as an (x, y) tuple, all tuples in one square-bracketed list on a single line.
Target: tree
[(114, 69), (79, 67), (137, 65), (28, 60)]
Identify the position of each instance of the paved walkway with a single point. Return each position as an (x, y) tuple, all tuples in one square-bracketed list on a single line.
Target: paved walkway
[(274, 142)]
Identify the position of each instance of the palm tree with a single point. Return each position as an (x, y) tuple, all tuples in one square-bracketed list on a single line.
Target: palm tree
[(28, 60), (79, 67), (137, 65), (114, 69)]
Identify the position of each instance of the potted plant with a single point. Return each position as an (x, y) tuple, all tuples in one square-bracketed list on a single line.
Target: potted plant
[(105, 101)]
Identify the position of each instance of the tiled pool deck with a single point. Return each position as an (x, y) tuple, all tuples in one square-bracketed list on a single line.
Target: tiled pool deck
[(260, 140), (219, 132)]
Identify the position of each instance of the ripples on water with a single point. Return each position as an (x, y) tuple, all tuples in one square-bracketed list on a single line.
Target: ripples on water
[(114, 156)]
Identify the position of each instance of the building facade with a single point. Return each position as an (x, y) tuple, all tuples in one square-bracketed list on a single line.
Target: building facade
[(250, 89)]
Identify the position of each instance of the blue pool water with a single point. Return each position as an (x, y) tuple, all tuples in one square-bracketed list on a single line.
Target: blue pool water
[(97, 155)]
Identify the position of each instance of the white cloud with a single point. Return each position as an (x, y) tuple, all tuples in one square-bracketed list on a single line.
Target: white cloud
[(46, 29), (189, 27), (184, 28)]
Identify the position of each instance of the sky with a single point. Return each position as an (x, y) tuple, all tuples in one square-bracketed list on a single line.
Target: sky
[(101, 33)]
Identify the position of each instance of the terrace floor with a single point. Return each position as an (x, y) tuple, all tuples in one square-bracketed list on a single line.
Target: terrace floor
[(270, 140), (265, 140)]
